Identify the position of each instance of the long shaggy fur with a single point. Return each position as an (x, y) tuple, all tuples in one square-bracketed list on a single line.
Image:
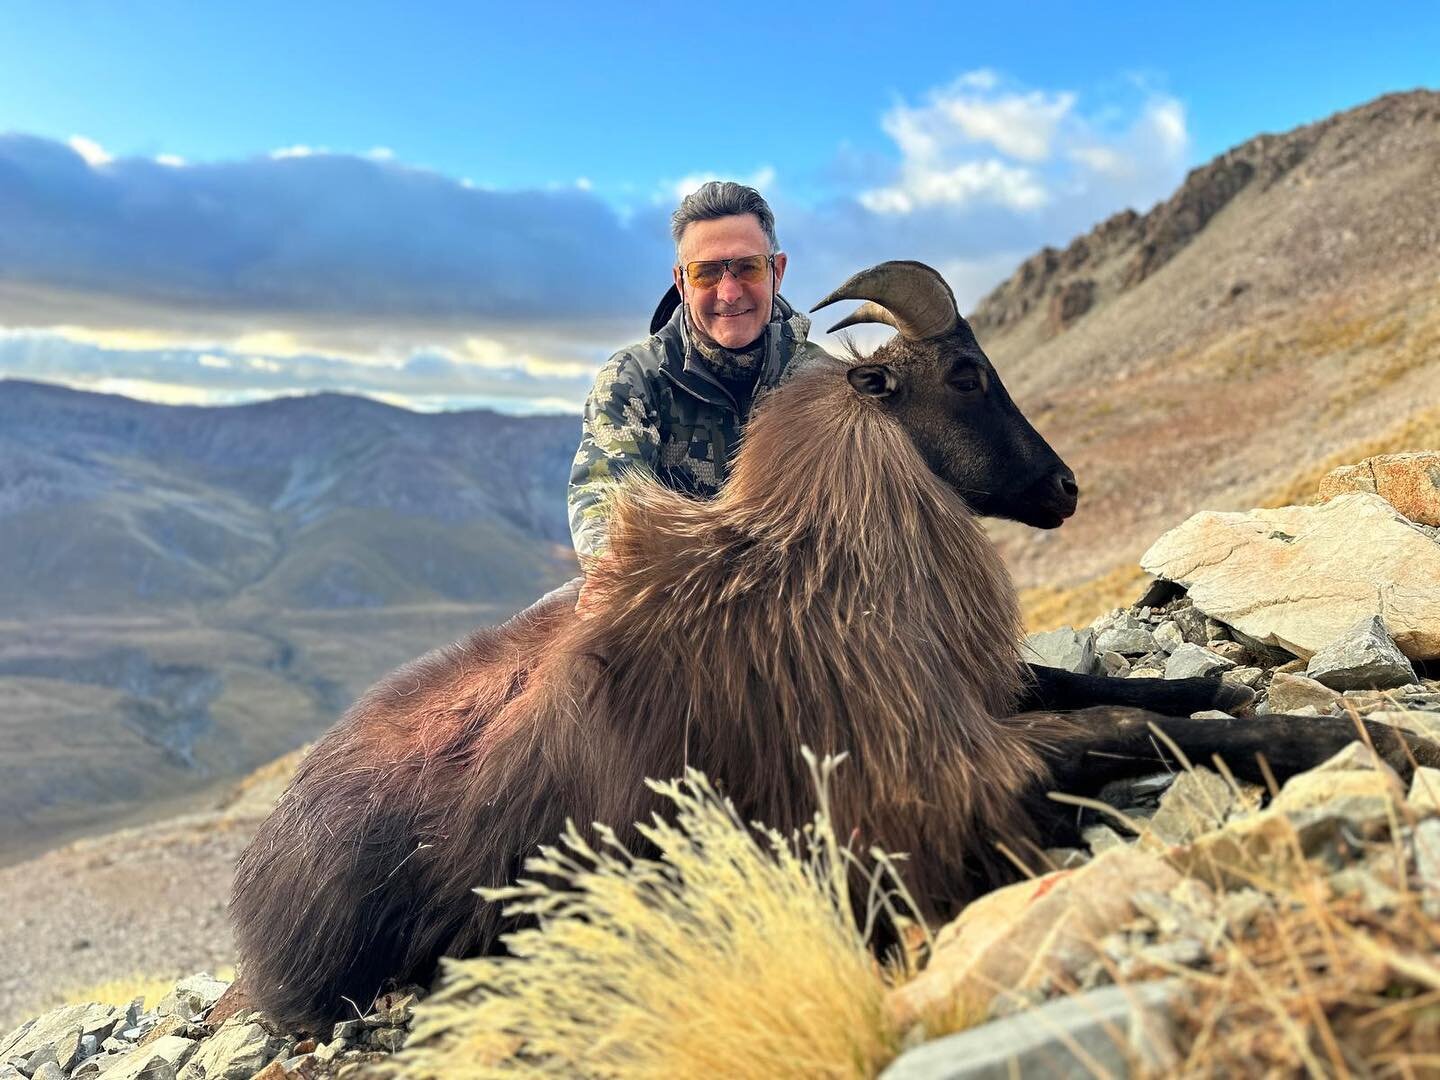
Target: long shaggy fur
[(836, 595)]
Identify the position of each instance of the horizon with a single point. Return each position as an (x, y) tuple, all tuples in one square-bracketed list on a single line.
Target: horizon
[(458, 210)]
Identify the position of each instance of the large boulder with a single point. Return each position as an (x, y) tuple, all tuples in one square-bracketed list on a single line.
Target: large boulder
[(1028, 933), (1408, 482), (1300, 576)]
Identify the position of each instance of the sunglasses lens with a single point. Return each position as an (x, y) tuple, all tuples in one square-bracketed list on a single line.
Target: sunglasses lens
[(704, 275), (751, 269)]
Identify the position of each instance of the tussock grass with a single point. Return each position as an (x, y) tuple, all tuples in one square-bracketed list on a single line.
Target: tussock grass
[(1323, 984), (735, 952)]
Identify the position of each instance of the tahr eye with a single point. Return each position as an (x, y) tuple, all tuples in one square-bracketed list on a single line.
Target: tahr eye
[(966, 384)]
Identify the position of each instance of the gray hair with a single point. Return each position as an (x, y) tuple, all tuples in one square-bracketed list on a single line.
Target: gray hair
[(723, 198)]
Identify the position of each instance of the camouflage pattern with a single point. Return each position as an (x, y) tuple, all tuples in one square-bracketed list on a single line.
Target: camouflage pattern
[(656, 407)]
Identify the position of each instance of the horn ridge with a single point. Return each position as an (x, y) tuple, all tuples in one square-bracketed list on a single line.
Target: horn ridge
[(903, 293)]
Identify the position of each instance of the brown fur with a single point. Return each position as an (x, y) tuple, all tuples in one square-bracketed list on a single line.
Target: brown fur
[(837, 595)]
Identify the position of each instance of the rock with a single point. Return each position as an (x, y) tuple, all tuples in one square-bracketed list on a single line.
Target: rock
[(1102, 838), (1102, 1032), (1357, 795), (160, 1060), (1114, 665), (1363, 883), (1362, 658), (1116, 618), (44, 1056), (1261, 571), (1198, 801), (1211, 714), (1066, 649), (348, 1029), (1145, 673), (1022, 935), (48, 1071), (1126, 642), (171, 1025), (1190, 621), (1169, 637), (1408, 482), (388, 1039), (1426, 724), (239, 1050), (1233, 651), (192, 997), (63, 1029), (1239, 908), (1425, 790), (1355, 755), (1195, 661), (1182, 914), (1289, 693), (1427, 854), (1248, 677)]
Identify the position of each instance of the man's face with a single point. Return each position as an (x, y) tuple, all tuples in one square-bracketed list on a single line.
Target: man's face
[(731, 313)]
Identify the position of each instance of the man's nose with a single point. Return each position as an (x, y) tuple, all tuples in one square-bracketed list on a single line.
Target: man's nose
[(729, 289)]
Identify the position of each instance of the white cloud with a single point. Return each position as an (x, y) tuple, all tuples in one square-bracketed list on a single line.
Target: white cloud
[(299, 150), (174, 161), (981, 141), (762, 179), (381, 153), (1020, 125), (93, 153), (210, 360), (972, 181), (1166, 118)]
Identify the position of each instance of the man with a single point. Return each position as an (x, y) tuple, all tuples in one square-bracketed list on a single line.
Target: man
[(676, 403)]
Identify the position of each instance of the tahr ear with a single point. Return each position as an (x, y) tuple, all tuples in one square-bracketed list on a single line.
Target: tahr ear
[(874, 380)]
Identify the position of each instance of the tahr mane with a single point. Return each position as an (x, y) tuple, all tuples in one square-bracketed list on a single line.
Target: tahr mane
[(837, 594)]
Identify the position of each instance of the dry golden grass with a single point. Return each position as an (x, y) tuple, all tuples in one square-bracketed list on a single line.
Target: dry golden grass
[(1046, 607), (734, 953), (120, 992), (1321, 984), (1420, 431)]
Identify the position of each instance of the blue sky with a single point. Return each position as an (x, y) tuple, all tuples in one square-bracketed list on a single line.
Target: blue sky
[(453, 204)]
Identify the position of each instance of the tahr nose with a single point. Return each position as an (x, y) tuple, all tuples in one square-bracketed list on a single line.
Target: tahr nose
[(1065, 485)]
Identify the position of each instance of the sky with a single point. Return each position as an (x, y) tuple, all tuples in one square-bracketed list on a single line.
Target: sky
[(457, 205)]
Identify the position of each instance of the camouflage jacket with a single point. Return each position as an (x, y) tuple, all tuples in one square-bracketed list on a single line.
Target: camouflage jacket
[(655, 407)]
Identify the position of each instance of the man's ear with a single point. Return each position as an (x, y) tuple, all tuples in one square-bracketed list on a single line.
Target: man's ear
[(874, 380), (677, 275), (780, 261)]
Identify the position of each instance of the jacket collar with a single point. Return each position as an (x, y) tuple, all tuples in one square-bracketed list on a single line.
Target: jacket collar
[(688, 370)]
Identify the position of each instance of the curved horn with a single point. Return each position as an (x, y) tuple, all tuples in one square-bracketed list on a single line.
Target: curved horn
[(907, 295)]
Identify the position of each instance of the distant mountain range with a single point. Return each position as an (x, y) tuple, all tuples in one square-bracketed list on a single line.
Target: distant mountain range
[(187, 593), (329, 501)]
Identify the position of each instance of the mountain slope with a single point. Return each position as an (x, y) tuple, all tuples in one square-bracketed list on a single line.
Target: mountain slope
[(1282, 307)]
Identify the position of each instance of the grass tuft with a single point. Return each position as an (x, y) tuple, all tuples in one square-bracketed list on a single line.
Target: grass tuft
[(734, 952)]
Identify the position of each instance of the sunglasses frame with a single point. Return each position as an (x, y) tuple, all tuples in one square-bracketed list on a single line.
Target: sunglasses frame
[(725, 268)]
